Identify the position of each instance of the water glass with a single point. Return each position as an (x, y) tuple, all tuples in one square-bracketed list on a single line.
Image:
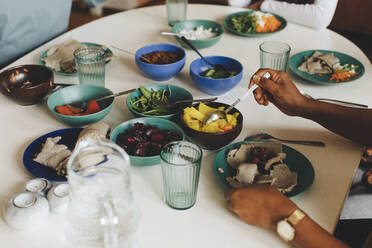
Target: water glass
[(176, 11), (90, 65), (180, 164), (274, 55)]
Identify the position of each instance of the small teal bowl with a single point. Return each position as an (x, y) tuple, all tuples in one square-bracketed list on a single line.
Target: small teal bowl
[(176, 94), (160, 72), (193, 24), (160, 123), (80, 93), (215, 87)]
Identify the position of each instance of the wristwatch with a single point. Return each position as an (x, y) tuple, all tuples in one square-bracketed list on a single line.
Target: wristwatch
[(285, 228)]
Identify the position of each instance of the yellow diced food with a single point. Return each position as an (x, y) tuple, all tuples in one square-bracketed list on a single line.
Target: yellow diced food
[(222, 108), (186, 117), (221, 122), (211, 127), (194, 113), (204, 109), (231, 119), (194, 124)]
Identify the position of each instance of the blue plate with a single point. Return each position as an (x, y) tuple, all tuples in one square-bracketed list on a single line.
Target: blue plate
[(296, 60), (295, 160), (108, 55), (69, 137)]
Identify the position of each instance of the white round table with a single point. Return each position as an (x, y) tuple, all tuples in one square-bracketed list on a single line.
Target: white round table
[(208, 223)]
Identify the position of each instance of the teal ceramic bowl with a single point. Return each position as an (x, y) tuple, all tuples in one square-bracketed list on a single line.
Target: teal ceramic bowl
[(80, 93), (193, 24), (176, 94), (160, 123)]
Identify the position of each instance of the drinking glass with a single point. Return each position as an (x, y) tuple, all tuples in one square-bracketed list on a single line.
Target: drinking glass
[(180, 164), (101, 210), (274, 55), (90, 65), (176, 11)]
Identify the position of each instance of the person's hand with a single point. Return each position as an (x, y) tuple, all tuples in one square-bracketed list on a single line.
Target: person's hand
[(278, 89), (259, 205)]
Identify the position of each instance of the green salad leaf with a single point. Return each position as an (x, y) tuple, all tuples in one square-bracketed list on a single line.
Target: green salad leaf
[(151, 102), (244, 23)]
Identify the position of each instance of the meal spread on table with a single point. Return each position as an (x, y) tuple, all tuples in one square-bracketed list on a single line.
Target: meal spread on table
[(251, 163)]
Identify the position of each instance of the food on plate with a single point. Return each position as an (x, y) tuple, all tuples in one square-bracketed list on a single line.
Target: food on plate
[(198, 33), (92, 107), (145, 140), (194, 119), (255, 22), (218, 73), (161, 57), (151, 102), (320, 63), (61, 57), (260, 163), (56, 155)]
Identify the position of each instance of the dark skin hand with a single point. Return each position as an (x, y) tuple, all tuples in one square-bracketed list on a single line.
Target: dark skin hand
[(351, 123)]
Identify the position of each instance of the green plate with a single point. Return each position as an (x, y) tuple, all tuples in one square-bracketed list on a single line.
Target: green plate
[(296, 162), (108, 55), (193, 24), (228, 26), (296, 60)]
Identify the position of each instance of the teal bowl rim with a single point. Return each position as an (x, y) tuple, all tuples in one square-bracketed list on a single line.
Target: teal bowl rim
[(79, 117), (216, 38), (158, 116), (144, 119)]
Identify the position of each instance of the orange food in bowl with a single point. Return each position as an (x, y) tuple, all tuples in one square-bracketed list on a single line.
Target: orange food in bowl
[(271, 24)]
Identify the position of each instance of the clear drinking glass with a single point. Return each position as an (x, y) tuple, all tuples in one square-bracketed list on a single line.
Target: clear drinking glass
[(90, 65), (176, 11), (180, 164), (101, 210), (274, 55)]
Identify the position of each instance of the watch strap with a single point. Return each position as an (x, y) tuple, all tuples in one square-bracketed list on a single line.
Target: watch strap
[(296, 217)]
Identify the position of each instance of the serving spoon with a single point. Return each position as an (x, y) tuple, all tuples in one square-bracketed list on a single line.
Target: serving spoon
[(131, 53), (217, 67), (83, 104), (219, 114)]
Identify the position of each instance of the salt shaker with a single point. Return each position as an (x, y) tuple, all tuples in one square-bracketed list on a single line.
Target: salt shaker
[(58, 197), (26, 210), (38, 185)]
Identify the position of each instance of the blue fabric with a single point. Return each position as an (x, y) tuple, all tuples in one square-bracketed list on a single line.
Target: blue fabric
[(26, 24)]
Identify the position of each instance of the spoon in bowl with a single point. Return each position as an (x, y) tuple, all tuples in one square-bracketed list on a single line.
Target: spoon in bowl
[(131, 53), (83, 104), (217, 67), (219, 114)]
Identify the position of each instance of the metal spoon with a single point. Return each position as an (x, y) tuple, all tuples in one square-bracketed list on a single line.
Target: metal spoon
[(219, 114), (131, 53), (83, 104), (217, 67), (178, 105), (263, 136), (335, 101)]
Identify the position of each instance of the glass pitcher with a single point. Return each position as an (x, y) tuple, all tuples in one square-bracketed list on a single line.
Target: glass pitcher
[(101, 211)]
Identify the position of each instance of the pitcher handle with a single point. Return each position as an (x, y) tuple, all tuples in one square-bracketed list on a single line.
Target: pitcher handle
[(109, 221)]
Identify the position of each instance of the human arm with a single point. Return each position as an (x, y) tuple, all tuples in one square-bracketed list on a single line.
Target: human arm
[(351, 123), (317, 15), (264, 206)]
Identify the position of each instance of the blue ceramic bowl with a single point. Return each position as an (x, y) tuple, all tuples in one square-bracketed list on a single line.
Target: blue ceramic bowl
[(160, 72), (80, 92), (176, 94), (160, 123), (215, 87)]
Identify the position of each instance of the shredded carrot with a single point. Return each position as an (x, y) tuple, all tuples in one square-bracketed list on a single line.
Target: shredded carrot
[(271, 24), (342, 76)]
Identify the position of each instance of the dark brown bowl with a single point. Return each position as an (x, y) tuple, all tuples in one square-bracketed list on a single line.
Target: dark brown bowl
[(213, 141), (26, 84)]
